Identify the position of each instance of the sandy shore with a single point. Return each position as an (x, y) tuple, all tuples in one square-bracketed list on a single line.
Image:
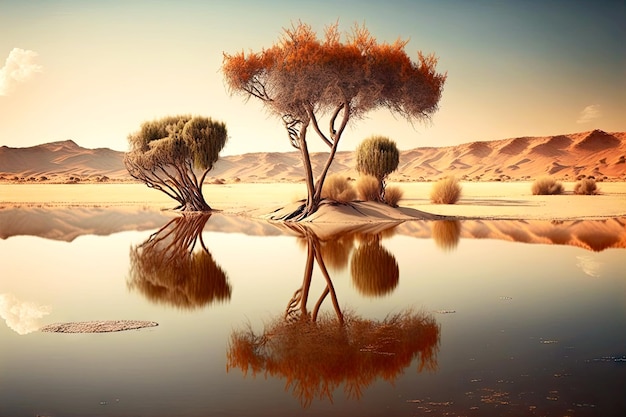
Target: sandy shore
[(504, 211), (480, 200)]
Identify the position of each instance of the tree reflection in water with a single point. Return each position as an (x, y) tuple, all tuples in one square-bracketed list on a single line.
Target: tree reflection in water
[(318, 352), (174, 266)]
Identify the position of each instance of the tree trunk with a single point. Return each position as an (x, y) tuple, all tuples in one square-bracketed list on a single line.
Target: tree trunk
[(194, 201), (381, 190), (313, 199)]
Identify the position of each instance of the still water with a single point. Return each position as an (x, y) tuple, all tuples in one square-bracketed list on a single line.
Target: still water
[(420, 318)]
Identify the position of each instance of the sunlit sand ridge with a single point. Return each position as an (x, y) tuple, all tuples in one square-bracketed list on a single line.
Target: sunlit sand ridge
[(593, 153)]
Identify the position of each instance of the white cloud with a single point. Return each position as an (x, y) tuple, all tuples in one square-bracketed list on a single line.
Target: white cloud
[(19, 67), (589, 114), (22, 317), (589, 266)]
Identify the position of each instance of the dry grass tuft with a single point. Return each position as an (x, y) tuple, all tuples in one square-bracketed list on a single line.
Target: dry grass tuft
[(393, 195), (586, 187), (546, 186), (367, 188), (337, 187), (446, 191)]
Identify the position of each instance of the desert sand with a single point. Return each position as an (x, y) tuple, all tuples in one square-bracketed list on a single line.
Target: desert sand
[(480, 200), (565, 157)]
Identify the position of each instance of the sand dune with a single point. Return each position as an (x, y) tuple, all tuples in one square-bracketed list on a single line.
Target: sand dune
[(596, 153), (58, 161)]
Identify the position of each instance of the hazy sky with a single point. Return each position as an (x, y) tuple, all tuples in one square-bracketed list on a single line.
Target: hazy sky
[(94, 71)]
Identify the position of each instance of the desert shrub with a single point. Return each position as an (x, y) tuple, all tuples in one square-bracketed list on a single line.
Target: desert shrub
[(338, 188), (586, 187), (367, 188), (446, 191), (393, 195), (546, 186)]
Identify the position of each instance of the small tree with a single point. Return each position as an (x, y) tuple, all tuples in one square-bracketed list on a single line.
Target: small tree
[(377, 156), (164, 153), (301, 79)]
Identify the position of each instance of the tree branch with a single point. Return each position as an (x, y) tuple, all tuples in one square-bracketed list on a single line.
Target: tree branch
[(309, 111), (331, 126)]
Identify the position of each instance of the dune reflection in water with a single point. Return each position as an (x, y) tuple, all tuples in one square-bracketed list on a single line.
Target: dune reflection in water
[(66, 224)]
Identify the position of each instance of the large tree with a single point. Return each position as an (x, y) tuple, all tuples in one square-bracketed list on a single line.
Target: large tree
[(164, 153), (304, 80)]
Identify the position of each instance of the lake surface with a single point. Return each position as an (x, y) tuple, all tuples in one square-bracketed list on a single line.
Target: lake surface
[(422, 318)]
